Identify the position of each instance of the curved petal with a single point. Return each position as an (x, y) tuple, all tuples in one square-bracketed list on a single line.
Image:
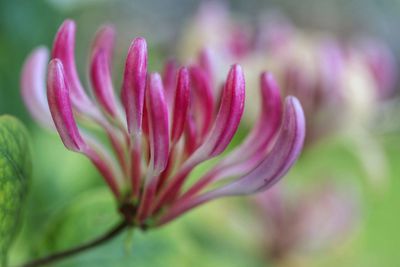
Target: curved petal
[(181, 105), (281, 158), (61, 108), (248, 155), (158, 123), (283, 155), (33, 86), (228, 117), (100, 76), (64, 50), (100, 69), (134, 85), (202, 100)]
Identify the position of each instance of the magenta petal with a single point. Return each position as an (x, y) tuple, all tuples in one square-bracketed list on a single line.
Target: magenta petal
[(228, 117), (281, 158), (134, 84), (248, 154), (267, 124), (181, 105), (60, 107), (103, 89), (169, 81), (158, 123), (202, 100), (64, 50), (283, 155), (104, 40), (33, 86)]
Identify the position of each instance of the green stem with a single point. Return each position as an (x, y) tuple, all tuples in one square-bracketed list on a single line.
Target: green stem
[(58, 256)]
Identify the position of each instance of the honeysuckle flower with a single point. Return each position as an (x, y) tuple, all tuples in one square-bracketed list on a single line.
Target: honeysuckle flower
[(297, 223), (163, 127)]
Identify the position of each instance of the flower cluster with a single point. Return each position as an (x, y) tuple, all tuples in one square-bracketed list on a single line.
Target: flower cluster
[(338, 83), (163, 127)]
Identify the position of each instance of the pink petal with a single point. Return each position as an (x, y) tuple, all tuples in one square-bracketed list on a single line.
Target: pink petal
[(60, 107), (104, 40), (134, 84), (181, 105), (169, 81), (225, 126), (104, 162), (228, 117), (33, 86), (103, 89), (64, 50), (158, 123), (268, 172), (100, 69), (202, 100), (281, 158), (248, 155)]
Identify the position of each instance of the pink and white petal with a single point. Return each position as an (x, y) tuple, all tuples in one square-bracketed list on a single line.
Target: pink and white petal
[(104, 40), (267, 125), (228, 117), (181, 105), (169, 81), (64, 50), (281, 158), (100, 75), (33, 86), (202, 100), (61, 108), (225, 126), (206, 63), (134, 85), (104, 162), (267, 173), (158, 123)]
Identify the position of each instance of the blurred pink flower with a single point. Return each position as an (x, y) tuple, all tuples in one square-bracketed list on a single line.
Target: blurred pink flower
[(318, 218), (337, 82), (163, 127)]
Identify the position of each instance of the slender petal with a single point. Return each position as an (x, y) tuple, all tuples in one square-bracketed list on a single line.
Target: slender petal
[(60, 107), (248, 155), (64, 50), (181, 105), (158, 123), (104, 40), (202, 100), (282, 156), (228, 117), (267, 173), (225, 126), (100, 69), (134, 85), (169, 80), (33, 86), (100, 75)]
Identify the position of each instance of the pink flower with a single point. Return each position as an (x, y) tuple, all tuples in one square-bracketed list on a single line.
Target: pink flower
[(163, 127), (309, 221)]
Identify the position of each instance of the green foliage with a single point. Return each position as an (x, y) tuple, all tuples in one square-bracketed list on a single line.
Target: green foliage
[(15, 170)]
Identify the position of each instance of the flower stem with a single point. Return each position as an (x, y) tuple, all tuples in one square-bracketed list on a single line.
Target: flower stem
[(58, 256)]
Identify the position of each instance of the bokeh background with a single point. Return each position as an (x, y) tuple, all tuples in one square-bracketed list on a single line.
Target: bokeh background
[(68, 202)]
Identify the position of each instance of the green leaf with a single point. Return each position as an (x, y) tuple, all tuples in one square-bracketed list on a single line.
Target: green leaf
[(15, 171)]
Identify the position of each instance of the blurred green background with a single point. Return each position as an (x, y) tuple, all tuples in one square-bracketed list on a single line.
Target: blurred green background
[(68, 202)]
